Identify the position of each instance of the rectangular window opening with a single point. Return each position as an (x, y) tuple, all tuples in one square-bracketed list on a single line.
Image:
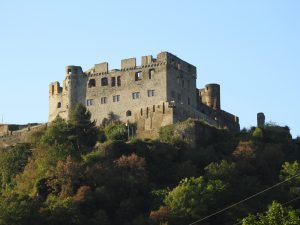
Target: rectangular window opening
[(113, 81), (138, 75), (116, 98), (136, 95), (151, 93), (103, 100)]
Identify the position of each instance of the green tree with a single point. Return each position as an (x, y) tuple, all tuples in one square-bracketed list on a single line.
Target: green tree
[(194, 197), (84, 133), (116, 132), (12, 161), (19, 210), (288, 171), (275, 215)]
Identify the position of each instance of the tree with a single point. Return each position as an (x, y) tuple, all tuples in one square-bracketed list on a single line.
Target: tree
[(19, 210), (275, 215), (83, 131), (12, 161), (116, 132), (194, 197), (288, 171)]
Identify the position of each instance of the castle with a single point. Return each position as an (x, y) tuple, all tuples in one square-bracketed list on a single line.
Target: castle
[(159, 92)]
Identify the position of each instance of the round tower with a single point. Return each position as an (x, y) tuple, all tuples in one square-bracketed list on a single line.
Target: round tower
[(212, 96), (75, 86)]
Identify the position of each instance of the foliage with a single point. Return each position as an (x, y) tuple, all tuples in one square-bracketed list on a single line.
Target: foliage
[(194, 197), (12, 161), (84, 133), (64, 177), (275, 215), (18, 210), (116, 132)]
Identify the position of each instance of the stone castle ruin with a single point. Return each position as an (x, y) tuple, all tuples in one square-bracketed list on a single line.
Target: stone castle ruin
[(159, 92)]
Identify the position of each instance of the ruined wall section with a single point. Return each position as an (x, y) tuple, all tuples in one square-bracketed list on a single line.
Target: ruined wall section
[(150, 119), (126, 90), (62, 99)]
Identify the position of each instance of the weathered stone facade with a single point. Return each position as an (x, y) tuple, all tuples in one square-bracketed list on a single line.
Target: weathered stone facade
[(158, 92)]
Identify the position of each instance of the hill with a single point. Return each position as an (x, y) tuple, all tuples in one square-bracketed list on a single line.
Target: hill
[(72, 172)]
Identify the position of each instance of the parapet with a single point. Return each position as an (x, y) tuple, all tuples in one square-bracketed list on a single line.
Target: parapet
[(74, 70), (101, 67), (148, 59), (128, 63), (55, 88)]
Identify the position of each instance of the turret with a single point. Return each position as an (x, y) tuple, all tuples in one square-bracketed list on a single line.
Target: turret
[(260, 120), (75, 85), (210, 96)]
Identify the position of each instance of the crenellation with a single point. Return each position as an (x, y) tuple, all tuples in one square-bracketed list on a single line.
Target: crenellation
[(101, 68), (156, 93), (128, 63)]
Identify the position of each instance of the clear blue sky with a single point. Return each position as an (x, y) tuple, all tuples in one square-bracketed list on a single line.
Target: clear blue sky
[(251, 48)]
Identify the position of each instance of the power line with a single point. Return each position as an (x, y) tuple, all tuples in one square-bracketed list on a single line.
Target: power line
[(246, 199)]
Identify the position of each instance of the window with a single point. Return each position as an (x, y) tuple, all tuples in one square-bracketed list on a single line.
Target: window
[(92, 83), (136, 95), (69, 71), (128, 113), (116, 98), (189, 101), (113, 81), (151, 73), (59, 105), (151, 93), (138, 75), (118, 81), (103, 100), (104, 81), (89, 102), (182, 83), (188, 83)]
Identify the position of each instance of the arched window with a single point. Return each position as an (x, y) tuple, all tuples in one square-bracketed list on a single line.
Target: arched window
[(59, 105), (104, 81), (128, 113), (92, 83)]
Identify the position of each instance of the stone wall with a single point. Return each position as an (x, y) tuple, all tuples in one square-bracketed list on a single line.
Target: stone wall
[(20, 135), (132, 89)]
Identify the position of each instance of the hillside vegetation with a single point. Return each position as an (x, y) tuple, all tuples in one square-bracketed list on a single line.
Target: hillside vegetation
[(72, 173)]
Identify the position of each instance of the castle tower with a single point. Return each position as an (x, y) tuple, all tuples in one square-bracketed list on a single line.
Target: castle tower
[(62, 99), (211, 96), (260, 120), (75, 86)]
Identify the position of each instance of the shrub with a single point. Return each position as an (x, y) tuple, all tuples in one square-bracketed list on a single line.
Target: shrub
[(116, 132)]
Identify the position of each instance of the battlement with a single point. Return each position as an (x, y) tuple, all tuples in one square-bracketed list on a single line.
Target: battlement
[(158, 92), (74, 70), (55, 88), (162, 58)]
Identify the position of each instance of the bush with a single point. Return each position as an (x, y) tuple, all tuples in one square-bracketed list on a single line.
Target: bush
[(116, 132)]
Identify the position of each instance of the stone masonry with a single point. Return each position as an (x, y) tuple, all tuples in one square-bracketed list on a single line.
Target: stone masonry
[(158, 92)]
